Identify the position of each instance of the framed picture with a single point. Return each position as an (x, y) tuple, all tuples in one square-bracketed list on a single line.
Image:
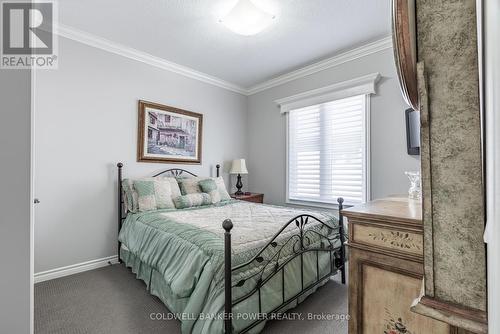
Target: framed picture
[(168, 134)]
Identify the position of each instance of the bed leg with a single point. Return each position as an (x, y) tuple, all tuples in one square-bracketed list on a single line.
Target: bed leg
[(228, 328), (120, 208), (340, 200)]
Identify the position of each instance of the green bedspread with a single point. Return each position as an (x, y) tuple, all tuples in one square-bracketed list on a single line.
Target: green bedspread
[(179, 254)]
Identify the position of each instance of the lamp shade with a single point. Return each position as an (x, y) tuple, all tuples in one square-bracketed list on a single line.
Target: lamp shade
[(239, 167)]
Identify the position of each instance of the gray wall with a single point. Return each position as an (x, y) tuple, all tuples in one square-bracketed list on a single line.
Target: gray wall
[(86, 121), (15, 204), (389, 160)]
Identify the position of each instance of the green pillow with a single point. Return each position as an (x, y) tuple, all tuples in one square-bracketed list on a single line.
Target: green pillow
[(163, 193), (129, 196), (191, 200), (210, 187), (192, 185), (146, 195), (207, 185), (154, 194)]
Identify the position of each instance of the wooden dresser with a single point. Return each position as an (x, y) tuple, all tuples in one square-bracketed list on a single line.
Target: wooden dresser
[(386, 268)]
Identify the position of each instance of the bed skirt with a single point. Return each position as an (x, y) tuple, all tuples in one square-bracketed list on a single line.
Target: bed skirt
[(208, 322)]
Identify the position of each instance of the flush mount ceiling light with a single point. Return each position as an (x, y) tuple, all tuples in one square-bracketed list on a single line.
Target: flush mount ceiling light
[(246, 19)]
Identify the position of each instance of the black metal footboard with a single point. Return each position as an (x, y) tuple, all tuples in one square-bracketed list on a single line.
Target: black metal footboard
[(273, 262)]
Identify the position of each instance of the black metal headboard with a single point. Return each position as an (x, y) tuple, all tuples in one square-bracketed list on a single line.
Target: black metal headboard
[(175, 172), (172, 172)]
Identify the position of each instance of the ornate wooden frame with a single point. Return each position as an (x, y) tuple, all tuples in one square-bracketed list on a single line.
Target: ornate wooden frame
[(405, 49), (141, 157)]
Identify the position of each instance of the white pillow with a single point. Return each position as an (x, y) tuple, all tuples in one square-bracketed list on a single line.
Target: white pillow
[(221, 186)]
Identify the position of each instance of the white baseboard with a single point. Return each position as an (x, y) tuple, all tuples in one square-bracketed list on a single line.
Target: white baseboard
[(74, 268)]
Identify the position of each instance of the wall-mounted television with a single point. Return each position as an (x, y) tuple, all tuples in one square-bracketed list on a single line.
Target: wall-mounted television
[(412, 131)]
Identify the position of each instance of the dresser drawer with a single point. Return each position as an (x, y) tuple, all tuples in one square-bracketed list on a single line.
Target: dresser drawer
[(381, 290), (388, 238)]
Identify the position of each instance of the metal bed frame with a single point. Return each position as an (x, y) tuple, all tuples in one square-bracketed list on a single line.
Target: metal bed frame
[(273, 264)]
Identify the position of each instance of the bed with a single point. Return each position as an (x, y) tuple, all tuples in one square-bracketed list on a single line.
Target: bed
[(231, 266)]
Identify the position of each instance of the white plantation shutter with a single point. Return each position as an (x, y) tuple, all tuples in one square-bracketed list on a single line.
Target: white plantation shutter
[(327, 152)]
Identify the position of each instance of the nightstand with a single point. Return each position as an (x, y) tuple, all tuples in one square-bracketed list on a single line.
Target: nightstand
[(250, 197)]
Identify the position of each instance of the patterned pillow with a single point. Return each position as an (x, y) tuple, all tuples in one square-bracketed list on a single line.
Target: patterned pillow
[(210, 187), (190, 200), (174, 186), (154, 194), (189, 185), (131, 197)]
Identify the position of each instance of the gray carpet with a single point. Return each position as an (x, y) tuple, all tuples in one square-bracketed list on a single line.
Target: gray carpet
[(111, 300)]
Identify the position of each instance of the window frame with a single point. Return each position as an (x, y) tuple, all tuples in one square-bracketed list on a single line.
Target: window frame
[(366, 166)]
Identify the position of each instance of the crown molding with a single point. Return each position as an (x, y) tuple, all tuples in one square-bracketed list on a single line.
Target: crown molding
[(125, 51), (131, 53), (357, 86), (362, 51)]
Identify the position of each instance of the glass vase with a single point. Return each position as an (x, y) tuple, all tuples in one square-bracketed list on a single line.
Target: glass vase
[(415, 191)]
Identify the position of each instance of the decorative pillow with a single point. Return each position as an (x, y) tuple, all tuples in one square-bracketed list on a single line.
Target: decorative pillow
[(210, 187), (130, 196), (224, 195), (190, 200), (154, 194), (189, 185), (146, 195), (174, 186)]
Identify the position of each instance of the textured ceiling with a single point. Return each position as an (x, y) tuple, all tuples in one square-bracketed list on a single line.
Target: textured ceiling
[(187, 32)]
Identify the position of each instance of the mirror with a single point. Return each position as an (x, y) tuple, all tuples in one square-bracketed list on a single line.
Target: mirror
[(404, 39)]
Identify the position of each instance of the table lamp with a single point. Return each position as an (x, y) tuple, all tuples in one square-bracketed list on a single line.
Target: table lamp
[(239, 167)]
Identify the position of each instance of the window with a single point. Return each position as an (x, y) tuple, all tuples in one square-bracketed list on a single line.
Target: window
[(327, 152)]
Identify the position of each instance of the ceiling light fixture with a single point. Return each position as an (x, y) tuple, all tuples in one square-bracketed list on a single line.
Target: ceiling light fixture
[(246, 19)]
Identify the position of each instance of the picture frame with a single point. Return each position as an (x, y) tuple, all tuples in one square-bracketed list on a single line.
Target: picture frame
[(168, 135)]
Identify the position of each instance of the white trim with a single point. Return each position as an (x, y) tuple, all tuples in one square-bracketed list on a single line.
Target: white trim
[(491, 21), (125, 51), (32, 199), (368, 194), (131, 53), (75, 268), (314, 204), (287, 157), (359, 52), (359, 86)]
